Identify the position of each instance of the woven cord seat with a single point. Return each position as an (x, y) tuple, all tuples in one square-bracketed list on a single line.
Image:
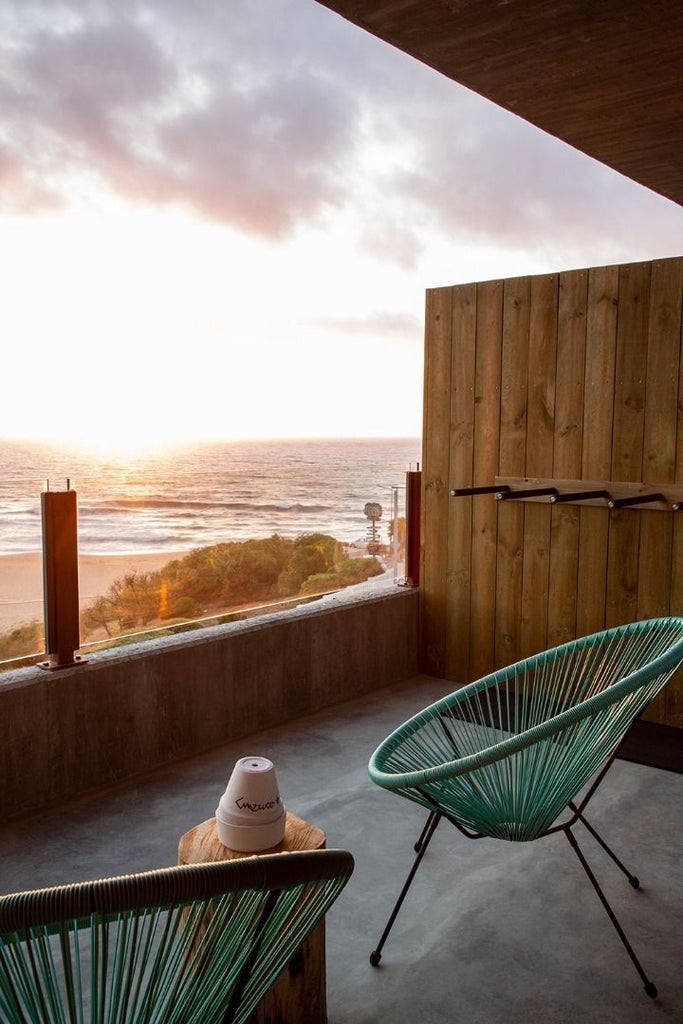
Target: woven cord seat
[(197, 944), (505, 756)]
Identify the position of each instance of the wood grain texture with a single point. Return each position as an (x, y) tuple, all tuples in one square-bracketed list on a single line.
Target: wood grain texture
[(459, 569), (514, 407), (303, 982), (485, 466), (201, 845), (435, 477), (659, 449), (567, 454), (540, 437), (596, 450), (575, 379), (603, 77)]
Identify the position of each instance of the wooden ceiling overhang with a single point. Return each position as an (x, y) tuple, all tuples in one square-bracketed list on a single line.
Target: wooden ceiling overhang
[(602, 75)]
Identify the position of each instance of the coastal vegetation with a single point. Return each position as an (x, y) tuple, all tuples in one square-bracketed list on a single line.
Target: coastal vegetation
[(214, 579), (210, 581)]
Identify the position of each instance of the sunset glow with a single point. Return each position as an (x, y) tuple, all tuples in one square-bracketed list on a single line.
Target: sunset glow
[(220, 221)]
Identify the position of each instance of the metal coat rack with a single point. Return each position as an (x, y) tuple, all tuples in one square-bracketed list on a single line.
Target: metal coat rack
[(599, 493)]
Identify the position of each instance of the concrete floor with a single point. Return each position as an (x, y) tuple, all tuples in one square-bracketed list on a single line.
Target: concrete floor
[(491, 933)]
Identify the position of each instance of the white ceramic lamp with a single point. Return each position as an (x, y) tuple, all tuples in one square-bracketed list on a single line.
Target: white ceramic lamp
[(250, 816)]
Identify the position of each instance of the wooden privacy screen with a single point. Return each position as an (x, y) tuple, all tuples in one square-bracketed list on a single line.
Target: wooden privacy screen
[(572, 376)]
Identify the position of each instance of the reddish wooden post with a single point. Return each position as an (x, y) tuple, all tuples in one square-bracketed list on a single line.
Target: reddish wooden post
[(60, 578), (413, 511)]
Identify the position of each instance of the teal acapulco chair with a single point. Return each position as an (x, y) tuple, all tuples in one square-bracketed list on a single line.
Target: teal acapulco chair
[(197, 944), (518, 754)]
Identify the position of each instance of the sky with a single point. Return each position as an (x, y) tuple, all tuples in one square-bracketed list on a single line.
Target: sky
[(219, 219)]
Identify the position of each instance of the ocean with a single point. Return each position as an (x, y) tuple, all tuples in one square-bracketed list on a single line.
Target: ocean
[(202, 494)]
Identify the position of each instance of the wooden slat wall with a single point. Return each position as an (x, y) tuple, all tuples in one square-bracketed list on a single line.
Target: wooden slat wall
[(577, 375)]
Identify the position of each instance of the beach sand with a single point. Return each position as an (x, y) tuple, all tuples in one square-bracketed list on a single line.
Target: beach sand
[(21, 580)]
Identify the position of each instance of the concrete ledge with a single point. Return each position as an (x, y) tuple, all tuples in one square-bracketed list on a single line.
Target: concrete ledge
[(132, 709)]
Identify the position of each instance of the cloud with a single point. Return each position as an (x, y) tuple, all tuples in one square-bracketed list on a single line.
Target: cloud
[(402, 326), (222, 119), (266, 160), (475, 174), (75, 99), (495, 177), (272, 115), (10, 166)]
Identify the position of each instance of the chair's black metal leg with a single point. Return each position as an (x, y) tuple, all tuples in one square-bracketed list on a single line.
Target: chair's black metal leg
[(598, 838), (649, 986), (424, 840), (423, 833)]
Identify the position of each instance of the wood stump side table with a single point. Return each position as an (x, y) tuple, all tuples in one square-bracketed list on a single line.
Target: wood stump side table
[(299, 994)]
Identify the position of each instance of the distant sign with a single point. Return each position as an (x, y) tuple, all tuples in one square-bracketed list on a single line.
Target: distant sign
[(373, 510)]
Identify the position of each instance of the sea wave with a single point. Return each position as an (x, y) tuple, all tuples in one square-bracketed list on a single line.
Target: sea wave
[(145, 504), (181, 501)]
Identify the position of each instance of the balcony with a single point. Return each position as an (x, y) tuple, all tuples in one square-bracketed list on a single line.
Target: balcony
[(137, 745)]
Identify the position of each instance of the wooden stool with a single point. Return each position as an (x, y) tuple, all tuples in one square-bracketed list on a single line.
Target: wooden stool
[(299, 994)]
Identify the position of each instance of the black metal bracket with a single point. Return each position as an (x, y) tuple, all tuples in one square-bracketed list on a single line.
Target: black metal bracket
[(528, 492), (466, 492), (580, 496), (598, 493), (635, 499)]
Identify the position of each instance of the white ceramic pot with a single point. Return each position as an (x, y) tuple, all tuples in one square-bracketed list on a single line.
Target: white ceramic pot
[(250, 816)]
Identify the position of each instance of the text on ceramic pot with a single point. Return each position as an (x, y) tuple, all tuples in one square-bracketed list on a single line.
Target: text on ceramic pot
[(245, 805)]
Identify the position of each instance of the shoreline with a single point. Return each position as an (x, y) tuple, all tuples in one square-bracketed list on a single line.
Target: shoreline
[(21, 580)]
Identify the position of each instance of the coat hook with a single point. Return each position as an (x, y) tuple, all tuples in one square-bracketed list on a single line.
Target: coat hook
[(579, 496), (635, 499), (463, 492), (532, 492)]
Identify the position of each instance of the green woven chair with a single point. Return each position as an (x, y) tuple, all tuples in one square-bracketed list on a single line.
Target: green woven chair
[(197, 944), (507, 756)]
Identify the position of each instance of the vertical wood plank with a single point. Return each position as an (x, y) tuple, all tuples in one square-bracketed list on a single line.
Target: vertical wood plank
[(605, 404), (571, 374), (459, 569), (663, 371), (654, 567), (512, 462), (486, 454), (622, 568), (674, 690), (567, 455), (539, 461), (596, 456), (435, 470), (628, 438), (658, 561), (631, 368)]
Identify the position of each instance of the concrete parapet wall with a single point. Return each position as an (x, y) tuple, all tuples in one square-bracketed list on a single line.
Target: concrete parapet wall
[(129, 710)]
